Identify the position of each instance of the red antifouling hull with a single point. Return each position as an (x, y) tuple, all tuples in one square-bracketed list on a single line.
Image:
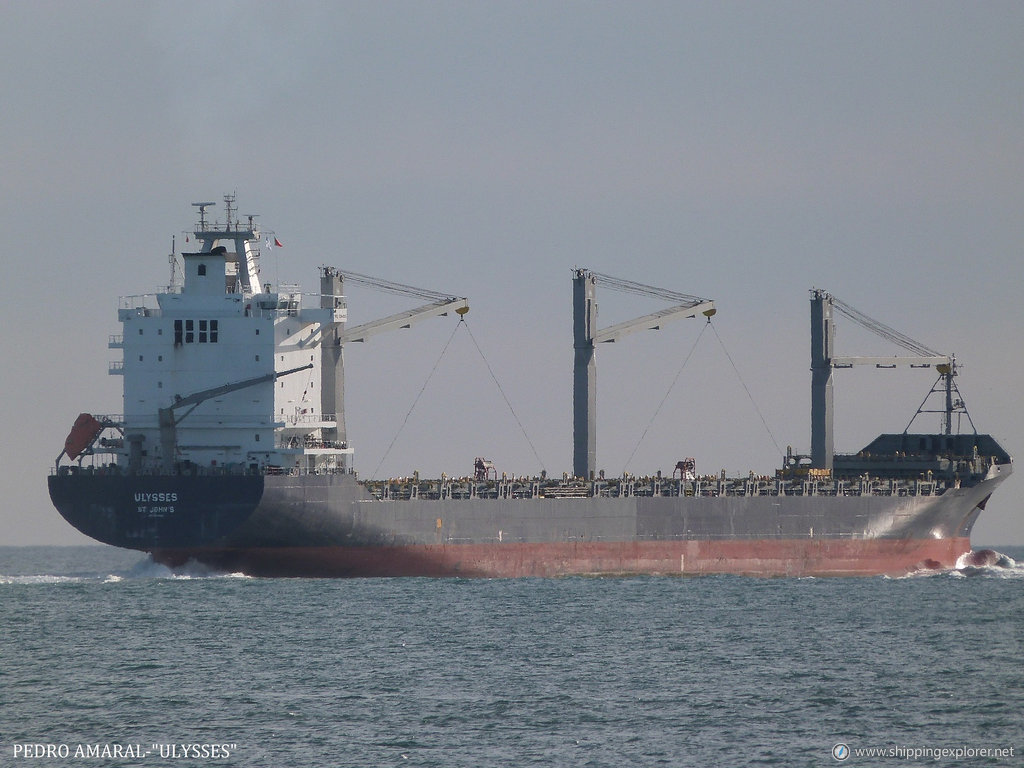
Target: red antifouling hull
[(751, 557)]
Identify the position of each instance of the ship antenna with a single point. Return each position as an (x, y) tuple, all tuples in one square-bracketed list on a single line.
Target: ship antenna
[(229, 201), (170, 258)]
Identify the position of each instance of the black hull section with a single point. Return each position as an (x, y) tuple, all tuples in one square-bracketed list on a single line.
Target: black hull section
[(148, 512)]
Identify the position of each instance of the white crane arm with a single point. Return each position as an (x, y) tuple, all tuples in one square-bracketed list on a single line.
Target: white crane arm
[(404, 319), (654, 321)]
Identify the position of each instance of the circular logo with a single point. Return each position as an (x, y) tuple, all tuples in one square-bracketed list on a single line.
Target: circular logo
[(840, 751)]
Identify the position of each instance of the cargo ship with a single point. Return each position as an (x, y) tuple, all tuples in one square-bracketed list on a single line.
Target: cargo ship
[(232, 451)]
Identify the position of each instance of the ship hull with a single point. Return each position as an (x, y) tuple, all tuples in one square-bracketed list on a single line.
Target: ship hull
[(330, 526)]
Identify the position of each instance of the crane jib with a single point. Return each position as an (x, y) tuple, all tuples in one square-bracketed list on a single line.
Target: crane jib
[(206, 394)]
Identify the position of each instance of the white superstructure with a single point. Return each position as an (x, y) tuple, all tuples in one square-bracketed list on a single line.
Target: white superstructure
[(209, 368)]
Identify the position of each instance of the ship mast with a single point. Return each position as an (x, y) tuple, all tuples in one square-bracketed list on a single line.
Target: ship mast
[(244, 239), (945, 386)]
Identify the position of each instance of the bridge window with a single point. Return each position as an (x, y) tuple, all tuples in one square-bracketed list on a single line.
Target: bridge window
[(185, 331), (201, 270)]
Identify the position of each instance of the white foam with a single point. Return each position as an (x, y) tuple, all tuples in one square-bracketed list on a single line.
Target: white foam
[(146, 568), (150, 569), (1005, 567), (42, 578)]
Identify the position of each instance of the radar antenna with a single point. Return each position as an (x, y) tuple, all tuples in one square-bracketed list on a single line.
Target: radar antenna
[(202, 214)]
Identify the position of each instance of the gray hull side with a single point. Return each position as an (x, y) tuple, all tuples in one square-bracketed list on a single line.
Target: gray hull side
[(334, 510)]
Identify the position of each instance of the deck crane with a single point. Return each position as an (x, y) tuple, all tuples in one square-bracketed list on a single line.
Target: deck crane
[(438, 304), (169, 421), (586, 335), (823, 361), (88, 427), (332, 296)]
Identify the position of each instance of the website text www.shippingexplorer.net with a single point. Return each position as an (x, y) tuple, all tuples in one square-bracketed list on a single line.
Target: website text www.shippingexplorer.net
[(843, 751)]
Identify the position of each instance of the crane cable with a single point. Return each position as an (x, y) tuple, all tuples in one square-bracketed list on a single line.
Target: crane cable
[(390, 286), (745, 389), (676, 378), (667, 393), (502, 391), (414, 402), (462, 322), (640, 289), (882, 330)]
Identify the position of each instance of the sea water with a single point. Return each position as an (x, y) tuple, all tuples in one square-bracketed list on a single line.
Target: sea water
[(107, 659)]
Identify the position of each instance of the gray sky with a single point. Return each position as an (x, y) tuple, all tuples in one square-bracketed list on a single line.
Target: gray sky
[(740, 151)]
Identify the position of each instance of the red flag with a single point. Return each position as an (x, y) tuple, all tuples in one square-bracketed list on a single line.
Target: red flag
[(278, 243)]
